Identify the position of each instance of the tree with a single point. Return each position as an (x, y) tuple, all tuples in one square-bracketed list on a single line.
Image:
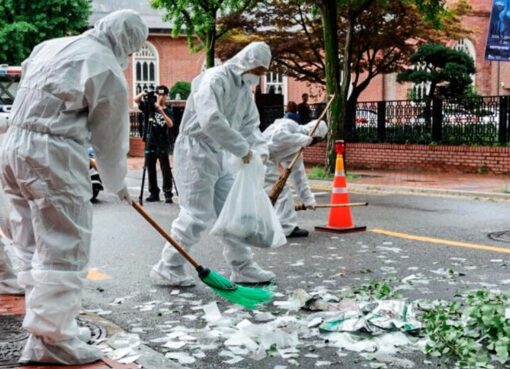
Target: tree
[(432, 10), (198, 20), (182, 88), (24, 24), (381, 34), (448, 72)]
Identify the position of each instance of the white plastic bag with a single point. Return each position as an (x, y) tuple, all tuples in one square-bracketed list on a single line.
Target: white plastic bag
[(247, 212)]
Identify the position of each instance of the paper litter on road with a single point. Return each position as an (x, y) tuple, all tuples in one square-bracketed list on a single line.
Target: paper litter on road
[(212, 313), (181, 357)]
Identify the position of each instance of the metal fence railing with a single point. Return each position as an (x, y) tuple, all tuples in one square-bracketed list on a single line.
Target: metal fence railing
[(136, 119), (475, 121)]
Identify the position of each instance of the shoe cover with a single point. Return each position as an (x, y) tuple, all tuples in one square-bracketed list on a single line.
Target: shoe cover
[(251, 273), (69, 352), (171, 276)]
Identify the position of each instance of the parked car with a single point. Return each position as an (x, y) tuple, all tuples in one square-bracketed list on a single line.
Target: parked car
[(9, 78), (366, 117), (462, 116)]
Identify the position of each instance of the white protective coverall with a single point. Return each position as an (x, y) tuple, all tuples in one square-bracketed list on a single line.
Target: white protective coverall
[(285, 137), (220, 120), (8, 279), (72, 92)]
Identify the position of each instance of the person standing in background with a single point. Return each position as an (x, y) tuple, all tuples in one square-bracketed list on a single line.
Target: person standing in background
[(304, 110), (157, 123)]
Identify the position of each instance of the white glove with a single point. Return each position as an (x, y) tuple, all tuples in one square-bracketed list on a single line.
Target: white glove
[(124, 195), (247, 158), (311, 206)]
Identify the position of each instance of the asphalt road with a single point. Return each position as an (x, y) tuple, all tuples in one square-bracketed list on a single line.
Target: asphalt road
[(125, 247)]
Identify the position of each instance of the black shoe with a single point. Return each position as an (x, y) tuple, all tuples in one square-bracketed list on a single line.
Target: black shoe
[(169, 200), (298, 232), (152, 198)]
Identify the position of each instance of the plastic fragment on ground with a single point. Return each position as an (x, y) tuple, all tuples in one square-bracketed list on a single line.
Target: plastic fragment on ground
[(181, 357)]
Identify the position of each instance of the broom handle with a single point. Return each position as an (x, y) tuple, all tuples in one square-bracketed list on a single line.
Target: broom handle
[(318, 206), (162, 232), (277, 188)]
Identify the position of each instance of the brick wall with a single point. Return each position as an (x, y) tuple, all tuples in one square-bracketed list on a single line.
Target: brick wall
[(464, 159)]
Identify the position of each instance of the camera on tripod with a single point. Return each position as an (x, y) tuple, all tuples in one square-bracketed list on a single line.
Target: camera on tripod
[(150, 97)]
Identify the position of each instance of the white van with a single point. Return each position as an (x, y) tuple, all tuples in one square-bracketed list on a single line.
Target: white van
[(9, 80)]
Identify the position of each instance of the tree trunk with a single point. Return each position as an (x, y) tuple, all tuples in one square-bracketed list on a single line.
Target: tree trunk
[(350, 114), (210, 44), (328, 10)]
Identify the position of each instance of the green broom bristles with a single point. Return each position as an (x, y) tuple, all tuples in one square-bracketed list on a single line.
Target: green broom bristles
[(248, 297)]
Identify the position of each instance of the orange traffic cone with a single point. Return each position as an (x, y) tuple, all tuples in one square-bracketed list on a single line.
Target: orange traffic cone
[(340, 218)]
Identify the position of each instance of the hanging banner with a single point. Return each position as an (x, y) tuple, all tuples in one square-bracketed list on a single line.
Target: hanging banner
[(498, 39)]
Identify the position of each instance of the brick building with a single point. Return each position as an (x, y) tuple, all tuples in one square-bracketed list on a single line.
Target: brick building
[(166, 60)]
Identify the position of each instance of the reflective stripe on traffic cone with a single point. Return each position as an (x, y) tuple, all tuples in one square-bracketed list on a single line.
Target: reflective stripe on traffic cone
[(340, 218)]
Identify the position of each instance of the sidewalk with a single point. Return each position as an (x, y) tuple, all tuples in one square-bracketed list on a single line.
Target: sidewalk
[(14, 306), (451, 184)]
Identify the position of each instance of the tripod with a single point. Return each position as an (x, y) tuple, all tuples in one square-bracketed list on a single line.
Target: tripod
[(154, 152)]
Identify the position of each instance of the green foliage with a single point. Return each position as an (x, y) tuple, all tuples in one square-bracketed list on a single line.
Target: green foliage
[(198, 19), (182, 88), (379, 290), (471, 331), (318, 172), (24, 24), (448, 71)]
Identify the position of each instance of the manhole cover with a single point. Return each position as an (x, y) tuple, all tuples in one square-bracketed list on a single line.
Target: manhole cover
[(12, 340), (502, 236), (13, 337), (96, 330)]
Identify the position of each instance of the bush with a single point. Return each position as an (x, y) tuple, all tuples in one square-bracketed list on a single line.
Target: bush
[(182, 88)]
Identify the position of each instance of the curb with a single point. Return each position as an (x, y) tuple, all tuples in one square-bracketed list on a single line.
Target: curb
[(375, 189), (149, 358)]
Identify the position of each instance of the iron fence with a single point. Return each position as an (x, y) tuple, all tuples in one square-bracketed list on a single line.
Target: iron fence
[(136, 119), (476, 121)]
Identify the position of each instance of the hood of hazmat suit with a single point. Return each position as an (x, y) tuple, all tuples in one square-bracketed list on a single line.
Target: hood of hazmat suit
[(124, 31), (321, 131), (285, 137), (72, 95)]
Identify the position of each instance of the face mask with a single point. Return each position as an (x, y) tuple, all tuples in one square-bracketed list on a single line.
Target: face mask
[(250, 79)]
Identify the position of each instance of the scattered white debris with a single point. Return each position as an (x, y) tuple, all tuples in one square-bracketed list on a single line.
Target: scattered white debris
[(298, 263), (396, 250), (181, 357)]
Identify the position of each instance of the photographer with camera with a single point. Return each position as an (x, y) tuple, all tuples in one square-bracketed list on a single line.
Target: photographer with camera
[(157, 123)]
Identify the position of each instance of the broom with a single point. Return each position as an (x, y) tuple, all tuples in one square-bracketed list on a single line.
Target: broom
[(248, 297), (277, 188), (318, 206)]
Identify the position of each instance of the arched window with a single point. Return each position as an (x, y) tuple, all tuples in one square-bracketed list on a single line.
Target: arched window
[(466, 46), (277, 83), (145, 68), (420, 90)]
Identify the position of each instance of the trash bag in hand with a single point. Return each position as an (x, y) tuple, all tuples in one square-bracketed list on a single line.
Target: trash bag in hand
[(247, 213)]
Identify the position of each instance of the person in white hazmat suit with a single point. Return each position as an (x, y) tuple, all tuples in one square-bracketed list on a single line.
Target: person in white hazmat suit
[(72, 93), (220, 119), (285, 137)]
